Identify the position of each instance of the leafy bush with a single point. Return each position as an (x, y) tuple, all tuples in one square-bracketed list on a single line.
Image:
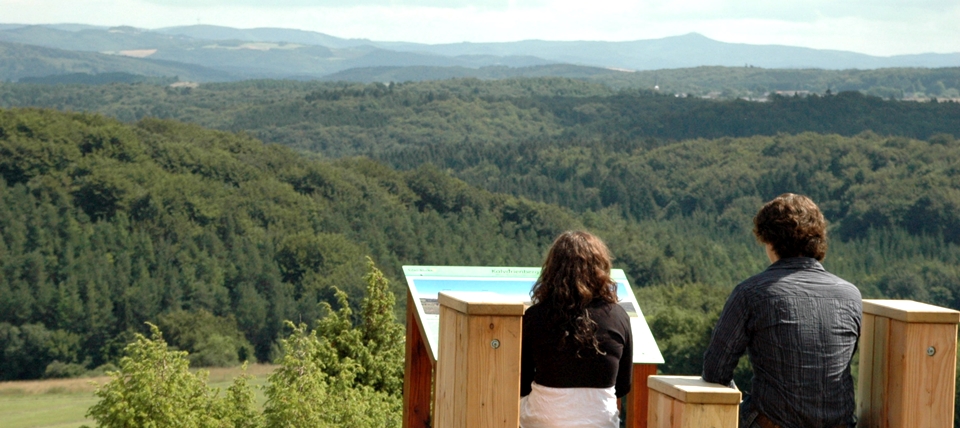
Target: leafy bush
[(155, 388), (211, 341), (337, 375), (59, 370)]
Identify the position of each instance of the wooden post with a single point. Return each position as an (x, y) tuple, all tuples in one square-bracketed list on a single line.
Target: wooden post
[(689, 402), (417, 374), (908, 357), (478, 365), (635, 403)]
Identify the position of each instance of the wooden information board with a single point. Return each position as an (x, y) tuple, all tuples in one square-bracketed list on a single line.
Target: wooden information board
[(425, 282)]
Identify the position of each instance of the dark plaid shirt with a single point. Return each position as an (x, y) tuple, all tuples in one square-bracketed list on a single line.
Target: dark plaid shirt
[(800, 325)]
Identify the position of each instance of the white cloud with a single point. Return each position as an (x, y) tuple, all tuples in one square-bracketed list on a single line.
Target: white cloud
[(339, 4)]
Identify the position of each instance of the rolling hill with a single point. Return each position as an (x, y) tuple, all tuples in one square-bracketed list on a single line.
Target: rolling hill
[(18, 61), (296, 54), (251, 57), (690, 50)]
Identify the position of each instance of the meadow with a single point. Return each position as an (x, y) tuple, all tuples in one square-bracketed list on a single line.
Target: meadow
[(63, 403)]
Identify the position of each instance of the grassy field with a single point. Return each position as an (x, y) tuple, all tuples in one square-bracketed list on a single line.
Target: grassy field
[(62, 403)]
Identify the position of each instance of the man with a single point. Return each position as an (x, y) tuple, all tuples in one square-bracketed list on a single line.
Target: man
[(799, 324)]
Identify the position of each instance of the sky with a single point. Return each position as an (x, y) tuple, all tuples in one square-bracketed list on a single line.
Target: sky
[(875, 27)]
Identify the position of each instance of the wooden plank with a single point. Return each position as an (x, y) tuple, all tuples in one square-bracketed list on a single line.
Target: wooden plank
[(950, 368), (710, 415), (460, 382), (417, 373), (478, 375), (878, 391), (481, 303), (676, 415), (475, 371), (635, 403), (446, 393), (660, 410), (928, 380), (509, 333), (893, 408), (865, 381), (901, 384), (911, 311), (494, 373), (693, 389)]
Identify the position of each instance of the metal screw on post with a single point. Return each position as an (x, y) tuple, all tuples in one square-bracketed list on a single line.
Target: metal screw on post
[(494, 343), (931, 351)]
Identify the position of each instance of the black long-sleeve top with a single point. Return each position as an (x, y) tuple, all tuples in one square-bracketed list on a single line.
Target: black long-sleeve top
[(542, 360), (800, 325)]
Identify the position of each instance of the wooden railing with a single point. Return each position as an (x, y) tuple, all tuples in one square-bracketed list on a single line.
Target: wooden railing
[(908, 365), (478, 372), (473, 371), (907, 372), (689, 402), (908, 354)]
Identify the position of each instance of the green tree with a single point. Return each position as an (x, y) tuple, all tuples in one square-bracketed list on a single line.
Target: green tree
[(376, 343), (154, 388), (338, 374)]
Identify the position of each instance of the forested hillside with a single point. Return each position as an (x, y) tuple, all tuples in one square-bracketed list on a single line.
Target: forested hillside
[(342, 119), (715, 82), (107, 224), (887, 83), (18, 61)]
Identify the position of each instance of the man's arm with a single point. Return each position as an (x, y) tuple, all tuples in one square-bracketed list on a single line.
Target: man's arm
[(729, 340)]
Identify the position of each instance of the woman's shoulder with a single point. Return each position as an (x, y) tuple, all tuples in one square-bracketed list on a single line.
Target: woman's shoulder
[(608, 309), (536, 310)]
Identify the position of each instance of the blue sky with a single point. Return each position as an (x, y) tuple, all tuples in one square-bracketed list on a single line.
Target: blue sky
[(877, 27)]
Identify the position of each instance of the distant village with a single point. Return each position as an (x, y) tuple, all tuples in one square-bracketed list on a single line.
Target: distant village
[(717, 95)]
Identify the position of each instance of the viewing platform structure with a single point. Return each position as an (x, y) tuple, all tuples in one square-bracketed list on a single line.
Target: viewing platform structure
[(907, 371), (443, 304)]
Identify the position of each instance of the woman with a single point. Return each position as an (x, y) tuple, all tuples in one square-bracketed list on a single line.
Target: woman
[(577, 343)]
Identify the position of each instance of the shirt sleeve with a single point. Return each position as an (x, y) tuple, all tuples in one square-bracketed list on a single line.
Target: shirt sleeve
[(729, 341), (527, 361), (625, 371)]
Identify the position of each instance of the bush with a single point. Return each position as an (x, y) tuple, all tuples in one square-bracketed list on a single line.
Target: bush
[(337, 375), (155, 388), (58, 370), (211, 341)]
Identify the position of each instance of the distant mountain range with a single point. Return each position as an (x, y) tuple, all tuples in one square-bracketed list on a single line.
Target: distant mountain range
[(211, 53), (18, 61)]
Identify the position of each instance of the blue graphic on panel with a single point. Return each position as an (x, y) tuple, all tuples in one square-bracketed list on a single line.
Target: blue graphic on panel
[(434, 286)]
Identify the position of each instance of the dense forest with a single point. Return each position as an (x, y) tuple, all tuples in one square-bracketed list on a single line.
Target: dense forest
[(887, 83), (712, 81), (218, 238), (106, 225), (342, 119)]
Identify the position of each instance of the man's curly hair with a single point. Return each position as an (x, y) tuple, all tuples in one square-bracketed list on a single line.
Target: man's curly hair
[(793, 225)]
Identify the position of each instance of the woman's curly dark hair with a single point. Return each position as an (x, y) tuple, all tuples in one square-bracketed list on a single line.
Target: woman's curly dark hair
[(793, 225), (575, 274)]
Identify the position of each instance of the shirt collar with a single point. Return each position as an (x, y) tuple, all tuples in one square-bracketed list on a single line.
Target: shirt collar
[(796, 263)]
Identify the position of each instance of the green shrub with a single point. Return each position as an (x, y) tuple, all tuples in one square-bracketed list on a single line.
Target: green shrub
[(154, 388), (58, 370)]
